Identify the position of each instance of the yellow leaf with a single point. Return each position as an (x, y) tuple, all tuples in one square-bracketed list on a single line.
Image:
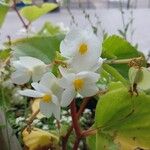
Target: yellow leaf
[(38, 139), (35, 107)]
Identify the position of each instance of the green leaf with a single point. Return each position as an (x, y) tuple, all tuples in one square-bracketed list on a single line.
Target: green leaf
[(3, 11), (4, 54), (31, 13), (113, 72), (124, 117), (50, 29), (105, 142), (27, 1), (43, 48), (91, 142), (115, 85), (115, 47), (118, 47)]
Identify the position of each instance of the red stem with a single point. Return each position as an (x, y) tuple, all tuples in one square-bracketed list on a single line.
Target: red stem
[(82, 107), (75, 119), (76, 144)]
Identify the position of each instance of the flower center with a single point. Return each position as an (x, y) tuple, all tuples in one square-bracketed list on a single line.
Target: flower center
[(47, 98), (83, 48), (78, 84)]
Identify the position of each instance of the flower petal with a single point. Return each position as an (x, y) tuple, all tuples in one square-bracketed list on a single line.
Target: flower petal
[(30, 62), (37, 72), (46, 108), (48, 80), (55, 100), (20, 76), (30, 93), (98, 65), (41, 88), (18, 65), (89, 90), (67, 96), (56, 111), (66, 81), (63, 71), (88, 76)]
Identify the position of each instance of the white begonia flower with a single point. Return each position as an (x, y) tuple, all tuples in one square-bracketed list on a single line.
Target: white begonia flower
[(70, 70), (27, 68), (82, 48), (44, 90), (83, 83)]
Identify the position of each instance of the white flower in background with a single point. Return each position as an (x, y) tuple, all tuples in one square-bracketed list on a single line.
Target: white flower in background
[(82, 48), (28, 68), (83, 83), (63, 27), (50, 103)]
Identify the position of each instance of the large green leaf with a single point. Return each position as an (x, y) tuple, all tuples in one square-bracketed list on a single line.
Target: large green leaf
[(3, 11), (115, 47), (43, 48), (101, 141), (31, 13), (105, 142), (124, 117), (91, 142)]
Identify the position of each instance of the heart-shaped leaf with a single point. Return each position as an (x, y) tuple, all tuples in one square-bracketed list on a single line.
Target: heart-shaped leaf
[(115, 47), (125, 118), (43, 48), (31, 13)]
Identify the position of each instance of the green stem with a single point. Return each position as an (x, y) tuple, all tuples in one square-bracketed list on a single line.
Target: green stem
[(122, 61)]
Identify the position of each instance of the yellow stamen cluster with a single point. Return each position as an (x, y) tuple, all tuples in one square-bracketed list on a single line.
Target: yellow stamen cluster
[(83, 48), (78, 84), (47, 98)]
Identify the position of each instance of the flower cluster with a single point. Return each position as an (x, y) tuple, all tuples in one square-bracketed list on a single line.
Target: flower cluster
[(82, 50)]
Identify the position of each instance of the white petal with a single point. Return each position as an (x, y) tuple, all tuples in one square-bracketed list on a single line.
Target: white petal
[(63, 71), (48, 80), (66, 81), (37, 72), (83, 63), (67, 96), (69, 45), (55, 100), (18, 65), (41, 88), (20, 76), (31, 93), (89, 90), (28, 61), (97, 65), (88, 76), (46, 109), (56, 111)]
